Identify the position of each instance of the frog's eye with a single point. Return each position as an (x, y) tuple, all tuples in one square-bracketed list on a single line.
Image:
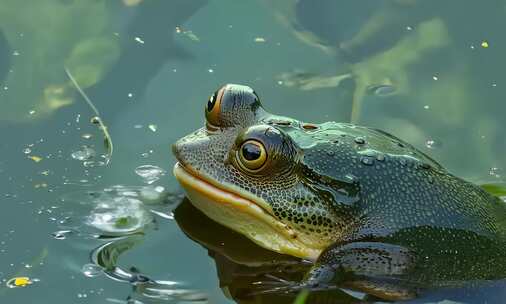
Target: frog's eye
[(252, 155), (213, 108)]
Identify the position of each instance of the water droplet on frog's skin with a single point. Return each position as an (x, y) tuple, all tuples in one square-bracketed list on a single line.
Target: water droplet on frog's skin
[(351, 178), (359, 140), (367, 160)]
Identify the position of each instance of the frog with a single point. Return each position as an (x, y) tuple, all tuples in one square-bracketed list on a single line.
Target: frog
[(371, 212)]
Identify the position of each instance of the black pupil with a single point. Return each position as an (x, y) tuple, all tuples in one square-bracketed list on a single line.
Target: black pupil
[(211, 102), (251, 151)]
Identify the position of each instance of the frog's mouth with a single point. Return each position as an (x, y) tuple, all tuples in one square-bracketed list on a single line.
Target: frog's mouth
[(239, 212)]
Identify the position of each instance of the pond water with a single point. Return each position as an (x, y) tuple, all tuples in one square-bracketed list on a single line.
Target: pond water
[(88, 222)]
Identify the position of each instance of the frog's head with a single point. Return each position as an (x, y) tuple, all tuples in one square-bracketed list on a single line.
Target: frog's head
[(246, 170)]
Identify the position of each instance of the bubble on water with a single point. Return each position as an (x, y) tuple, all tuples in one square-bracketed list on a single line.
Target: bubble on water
[(433, 143), (86, 136), (149, 173), (119, 215), (85, 154), (27, 150), (91, 270), (150, 194), (91, 164), (61, 235)]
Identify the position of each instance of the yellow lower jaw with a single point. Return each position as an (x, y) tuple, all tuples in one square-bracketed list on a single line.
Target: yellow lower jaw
[(243, 216)]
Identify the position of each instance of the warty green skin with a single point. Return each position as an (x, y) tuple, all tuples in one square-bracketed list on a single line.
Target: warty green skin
[(396, 220)]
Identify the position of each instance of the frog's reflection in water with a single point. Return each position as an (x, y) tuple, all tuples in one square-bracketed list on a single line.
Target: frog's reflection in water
[(242, 267), (245, 270)]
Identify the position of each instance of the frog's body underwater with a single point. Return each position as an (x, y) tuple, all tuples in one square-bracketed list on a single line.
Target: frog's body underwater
[(371, 211)]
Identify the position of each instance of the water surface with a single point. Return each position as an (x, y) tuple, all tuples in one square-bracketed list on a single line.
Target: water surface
[(430, 72)]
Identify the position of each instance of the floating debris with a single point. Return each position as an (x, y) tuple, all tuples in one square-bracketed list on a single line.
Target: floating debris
[(432, 144), (153, 127), (86, 153), (149, 173), (41, 185), (91, 270), (31, 112), (189, 34), (495, 172), (86, 136), (138, 39), (259, 39), (96, 119), (484, 44), (27, 151), (35, 158), (20, 282), (435, 77), (309, 81)]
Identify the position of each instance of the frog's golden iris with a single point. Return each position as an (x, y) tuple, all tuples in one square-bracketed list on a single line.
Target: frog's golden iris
[(373, 212), (251, 156)]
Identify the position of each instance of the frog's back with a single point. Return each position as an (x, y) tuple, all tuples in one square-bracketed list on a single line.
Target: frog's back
[(404, 197), (399, 186)]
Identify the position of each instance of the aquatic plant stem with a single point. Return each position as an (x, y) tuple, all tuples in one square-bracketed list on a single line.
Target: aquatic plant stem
[(103, 127)]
